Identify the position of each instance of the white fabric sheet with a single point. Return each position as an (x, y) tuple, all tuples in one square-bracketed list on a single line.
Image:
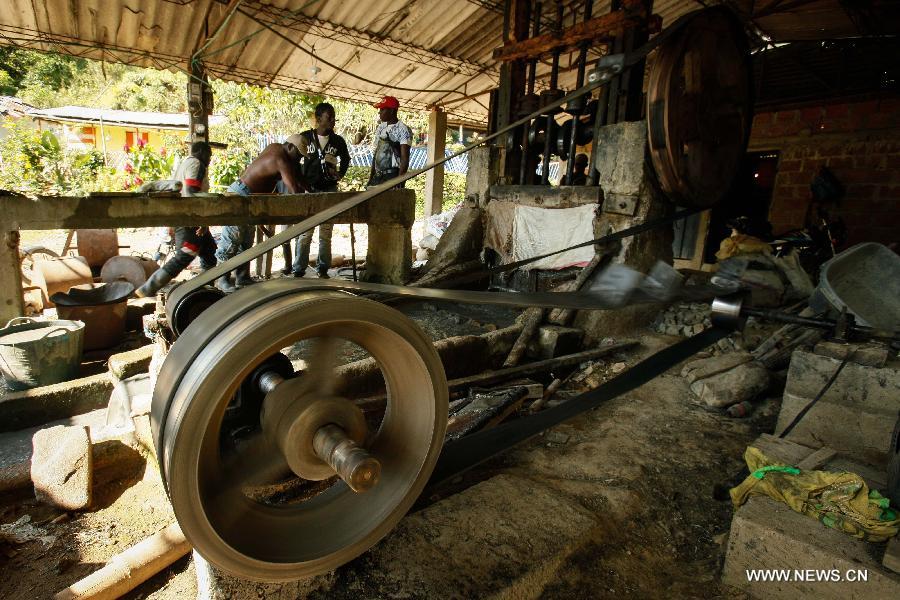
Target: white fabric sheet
[(538, 231)]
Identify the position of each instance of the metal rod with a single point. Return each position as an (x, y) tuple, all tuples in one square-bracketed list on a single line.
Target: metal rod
[(359, 469), (576, 120)]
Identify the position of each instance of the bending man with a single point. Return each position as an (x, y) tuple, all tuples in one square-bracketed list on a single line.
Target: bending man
[(276, 162), (190, 242)]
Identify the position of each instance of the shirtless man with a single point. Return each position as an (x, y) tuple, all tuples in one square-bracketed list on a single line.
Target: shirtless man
[(277, 162)]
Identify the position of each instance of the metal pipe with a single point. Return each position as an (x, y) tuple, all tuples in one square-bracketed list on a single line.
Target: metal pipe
[(524, 176), (576, 121), (269, 380), (359, 469)]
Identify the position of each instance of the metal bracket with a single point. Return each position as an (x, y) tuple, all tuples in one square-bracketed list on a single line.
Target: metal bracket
[(607, 67), (620, 204)]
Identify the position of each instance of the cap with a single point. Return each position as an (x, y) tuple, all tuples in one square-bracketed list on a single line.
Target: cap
[(299, 142), (388, 102)]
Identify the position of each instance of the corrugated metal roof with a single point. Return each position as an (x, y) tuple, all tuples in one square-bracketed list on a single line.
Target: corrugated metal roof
[(65, 114), (425, 52)]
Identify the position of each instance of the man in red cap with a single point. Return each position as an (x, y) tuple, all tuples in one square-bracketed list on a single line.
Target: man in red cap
[(392, 141)]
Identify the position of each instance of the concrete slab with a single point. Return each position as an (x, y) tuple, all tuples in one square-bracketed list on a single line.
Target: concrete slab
[(766, 534), (62, 467), (131, 363), (813, 561), (28, 408), (856, 415)]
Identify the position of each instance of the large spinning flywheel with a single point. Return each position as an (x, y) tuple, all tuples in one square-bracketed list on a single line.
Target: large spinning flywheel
[(699, 108), (232, 422), (275, 474)]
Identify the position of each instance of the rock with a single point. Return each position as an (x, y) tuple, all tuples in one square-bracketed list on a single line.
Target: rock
[(422, 254), (62, 467), (429, 242), (672, 330), (868, 355), (133, 362), (744, 382), (554, 340), (556, 437), (618, 367)]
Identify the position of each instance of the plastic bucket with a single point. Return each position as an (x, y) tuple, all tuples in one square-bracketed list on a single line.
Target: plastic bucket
[(35, 353)]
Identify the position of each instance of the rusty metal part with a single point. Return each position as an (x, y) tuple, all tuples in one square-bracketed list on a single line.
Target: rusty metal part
[(699, 108), (359, 469), (133, 269), (97, 245), (60, 275), (206, 482)]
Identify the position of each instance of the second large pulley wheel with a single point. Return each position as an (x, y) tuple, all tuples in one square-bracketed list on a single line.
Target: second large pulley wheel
[(358, 476), (699, 108)]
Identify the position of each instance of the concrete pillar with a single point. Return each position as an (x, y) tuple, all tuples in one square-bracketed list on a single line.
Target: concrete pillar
[(629, 199), (484, 171), (434, 179), (390, 254), (10, 278)]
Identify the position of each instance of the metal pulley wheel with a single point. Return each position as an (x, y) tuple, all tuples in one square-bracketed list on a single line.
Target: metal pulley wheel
[(699, 108), (356, 476)]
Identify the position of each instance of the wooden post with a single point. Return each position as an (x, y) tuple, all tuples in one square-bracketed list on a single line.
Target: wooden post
[(199, 102), (11, 304), (434, 179)]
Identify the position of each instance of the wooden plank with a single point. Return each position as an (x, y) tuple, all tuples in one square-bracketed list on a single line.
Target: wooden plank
[(434, 178), (394, 207), (598, 28)]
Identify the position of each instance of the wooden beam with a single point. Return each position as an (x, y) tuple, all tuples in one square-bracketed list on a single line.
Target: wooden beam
[(11, 305), (597, 29), (394, 207)]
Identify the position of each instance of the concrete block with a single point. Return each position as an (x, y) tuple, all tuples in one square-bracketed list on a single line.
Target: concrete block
[(769, 535), (133, 362), (389, 257), (620, 158), (36, 406), (868, 355), (62, 467), (555, 340), (891, 560), (855, 416)]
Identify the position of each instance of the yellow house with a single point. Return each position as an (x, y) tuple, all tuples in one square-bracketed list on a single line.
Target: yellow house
[(111, 131)]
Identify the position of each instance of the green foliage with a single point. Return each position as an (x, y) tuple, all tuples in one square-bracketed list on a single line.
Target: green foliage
[(26, 69), (34, 162), (144, 163), (226, 167)]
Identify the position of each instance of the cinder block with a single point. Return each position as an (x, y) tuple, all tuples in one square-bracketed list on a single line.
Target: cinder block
[(855, 416), (766, 534), (62, 467), (131, 363), (868, 355), (19, 410)]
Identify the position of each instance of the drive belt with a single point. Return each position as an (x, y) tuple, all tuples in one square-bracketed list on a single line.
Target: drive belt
[(462, 454)]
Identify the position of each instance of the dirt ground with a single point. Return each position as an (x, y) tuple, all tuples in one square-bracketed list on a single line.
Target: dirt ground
[(659, 449), (665, 451)]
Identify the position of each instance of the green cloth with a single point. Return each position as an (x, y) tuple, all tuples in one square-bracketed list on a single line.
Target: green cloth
[(838, 500)]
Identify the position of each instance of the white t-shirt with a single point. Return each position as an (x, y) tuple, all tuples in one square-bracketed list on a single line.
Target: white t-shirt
[(399, 133), (188, 173)]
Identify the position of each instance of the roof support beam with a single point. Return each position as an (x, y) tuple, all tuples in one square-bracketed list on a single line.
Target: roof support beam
[(272, 15)]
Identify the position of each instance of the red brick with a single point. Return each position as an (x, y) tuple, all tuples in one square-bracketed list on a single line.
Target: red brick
[(786, 166), (837, 110), (811, 116), (839, 162), (862, 191), (889, 192)]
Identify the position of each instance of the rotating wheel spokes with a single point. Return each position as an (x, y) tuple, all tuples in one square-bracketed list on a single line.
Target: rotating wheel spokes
[(355, 480)]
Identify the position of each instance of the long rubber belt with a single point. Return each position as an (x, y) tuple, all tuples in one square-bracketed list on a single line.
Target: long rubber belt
[(475, 448), (293, 231)]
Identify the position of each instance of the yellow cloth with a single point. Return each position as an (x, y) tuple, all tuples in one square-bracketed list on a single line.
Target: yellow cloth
[(839, 500), (740, 243)]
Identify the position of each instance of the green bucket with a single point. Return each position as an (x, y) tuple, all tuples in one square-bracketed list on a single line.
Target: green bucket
[(35, 353)]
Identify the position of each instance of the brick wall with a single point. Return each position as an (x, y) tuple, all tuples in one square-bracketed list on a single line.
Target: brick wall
[(859, 142)]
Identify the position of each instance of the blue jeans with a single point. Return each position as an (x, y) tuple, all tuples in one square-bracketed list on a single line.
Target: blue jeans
[(235, 238)]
